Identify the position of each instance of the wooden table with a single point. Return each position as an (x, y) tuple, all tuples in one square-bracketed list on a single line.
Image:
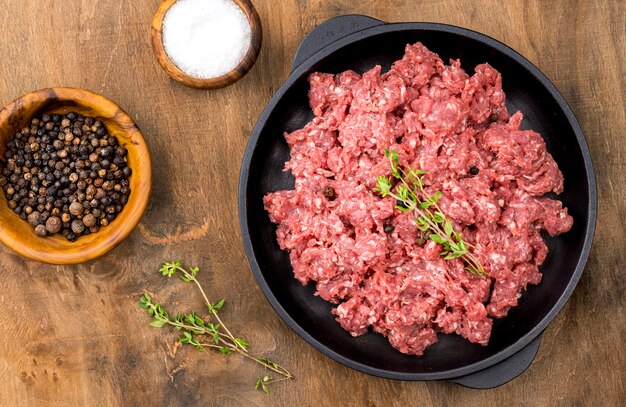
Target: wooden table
[(74, 336)]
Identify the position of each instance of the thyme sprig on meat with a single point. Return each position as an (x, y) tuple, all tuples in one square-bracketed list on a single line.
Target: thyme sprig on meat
[(194, 327), (411, 196)]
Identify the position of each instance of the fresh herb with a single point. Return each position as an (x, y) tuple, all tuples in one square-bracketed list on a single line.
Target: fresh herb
[(215, 335), (411, 196)]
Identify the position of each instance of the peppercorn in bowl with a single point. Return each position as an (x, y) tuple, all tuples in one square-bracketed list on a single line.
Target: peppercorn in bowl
[(75, 175)]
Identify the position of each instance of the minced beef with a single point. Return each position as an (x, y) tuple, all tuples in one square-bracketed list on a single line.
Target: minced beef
[(492, 176)]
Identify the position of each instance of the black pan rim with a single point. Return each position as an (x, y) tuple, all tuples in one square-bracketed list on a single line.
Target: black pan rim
[(539, 76)]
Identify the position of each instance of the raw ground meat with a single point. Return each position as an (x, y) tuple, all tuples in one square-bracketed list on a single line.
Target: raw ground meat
[(445, 122)]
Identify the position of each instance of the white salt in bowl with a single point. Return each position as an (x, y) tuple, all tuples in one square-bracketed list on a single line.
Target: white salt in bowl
[(196, 70)]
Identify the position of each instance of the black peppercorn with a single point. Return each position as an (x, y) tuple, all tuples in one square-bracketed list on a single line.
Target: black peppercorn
[(40, 230), (388, 228), (89, 220), (53, 225), (108, 185), (329, 192), (78, 227), (76, 208), (35, 218), (474, 170)]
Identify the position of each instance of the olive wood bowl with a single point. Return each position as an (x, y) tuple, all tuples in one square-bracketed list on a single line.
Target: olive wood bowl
[(18, 234), (256, 32)]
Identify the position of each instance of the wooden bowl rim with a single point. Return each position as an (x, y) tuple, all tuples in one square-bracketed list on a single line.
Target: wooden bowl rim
[(256, 36), (75, 253)]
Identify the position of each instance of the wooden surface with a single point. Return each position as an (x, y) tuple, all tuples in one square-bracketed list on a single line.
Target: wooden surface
[(74, 335)]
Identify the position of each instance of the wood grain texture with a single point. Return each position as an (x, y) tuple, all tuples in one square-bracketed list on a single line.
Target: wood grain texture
[(19, 235), (73, 335)]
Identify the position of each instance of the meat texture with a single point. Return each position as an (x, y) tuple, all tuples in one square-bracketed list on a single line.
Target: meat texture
[(444, 121)]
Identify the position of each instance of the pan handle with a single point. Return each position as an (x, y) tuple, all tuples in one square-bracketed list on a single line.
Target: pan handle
[(330, 31), (503, 372)]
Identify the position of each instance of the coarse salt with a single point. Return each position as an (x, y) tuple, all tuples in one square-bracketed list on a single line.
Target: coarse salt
[(206, 38)]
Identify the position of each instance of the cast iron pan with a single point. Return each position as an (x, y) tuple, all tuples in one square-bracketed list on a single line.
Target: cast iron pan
[(358, 43)]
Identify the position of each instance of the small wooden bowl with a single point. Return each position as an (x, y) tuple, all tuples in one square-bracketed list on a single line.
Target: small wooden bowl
[(18, 234), (156, 36)]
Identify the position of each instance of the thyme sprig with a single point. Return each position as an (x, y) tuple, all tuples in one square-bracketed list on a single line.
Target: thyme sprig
[(411, 196), (193, 327)]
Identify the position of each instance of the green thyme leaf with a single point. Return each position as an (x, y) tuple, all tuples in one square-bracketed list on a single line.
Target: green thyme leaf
[(436, 238), (461, 244), (198, 321), (242, 342), (403, 192), (144, 301), (383, 185), (422, 224), (403, 208), (219, 305), (438, 217), (447, 227), (158, 323)]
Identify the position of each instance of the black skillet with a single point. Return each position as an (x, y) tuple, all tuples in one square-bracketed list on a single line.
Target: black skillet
[(358, 43)]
